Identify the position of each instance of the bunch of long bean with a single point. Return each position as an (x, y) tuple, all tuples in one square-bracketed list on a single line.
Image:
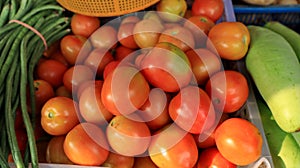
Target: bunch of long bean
[(20, 50)]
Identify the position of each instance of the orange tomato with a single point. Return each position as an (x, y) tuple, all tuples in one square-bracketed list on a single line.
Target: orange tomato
[(55, 152), (118, 161), (230, 39), (143, 162), (43, 92), (98, 59), (76, 75), (59, 115), (146, 32), (86, 145), (128, 135), (124, 90), (179, 36), (172, 147), (239, 141), (91, 106), (204, 64), (171, 11), (84, 25), (125, 35), (199, 25)]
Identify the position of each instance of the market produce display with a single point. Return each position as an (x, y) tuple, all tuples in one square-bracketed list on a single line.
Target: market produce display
[(156, 88)]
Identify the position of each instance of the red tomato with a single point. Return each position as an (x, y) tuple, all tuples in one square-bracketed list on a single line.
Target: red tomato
[(171, 11), (109, 68), (58, 56), (59, 115), (130, 19), (155, 111), (55, 151), (51, 49), (118, 161), (98, 59), (125, 35), (91, 106), (124, 90), (86, 145), (146, 33), (230, 39), (84, 25), (122, 52), (173, 67), (211, 157), (213, 8), (63, 91), (43, 92), (86, 84), (128, 136), (173, 147), (143, 162), (239, 141), (76, 75), (207, 139), (204, 64), (51, 71), (228, 90), (192, 110), (199, 25), (105, 37), (179, 36), (75, 48)]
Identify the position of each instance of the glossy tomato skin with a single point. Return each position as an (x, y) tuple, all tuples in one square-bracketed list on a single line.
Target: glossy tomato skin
[(230, 39), (173, 67), (84, 25), (155, 111), (125, 35), (146, 32), (128, 135), (97, 60), (105, 37), (75, 48), (91, 106), (86, 145), (55, 151), (228, 90), (180, 36), (43, 92), (171, 11), (213, 8), (173, 147), (51, 71), (59, 115), (76, 75), (192, 110), (124, 90), (199, 25), (204, 64), (211, 157), (237, 138)]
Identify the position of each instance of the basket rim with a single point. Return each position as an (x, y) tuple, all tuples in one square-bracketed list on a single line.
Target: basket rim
[(64, 3)]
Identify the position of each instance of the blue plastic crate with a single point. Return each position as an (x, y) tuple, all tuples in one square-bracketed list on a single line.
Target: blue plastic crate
[(259, 15)]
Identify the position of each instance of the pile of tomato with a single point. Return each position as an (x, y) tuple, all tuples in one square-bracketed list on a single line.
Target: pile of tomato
[(147, 89)]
